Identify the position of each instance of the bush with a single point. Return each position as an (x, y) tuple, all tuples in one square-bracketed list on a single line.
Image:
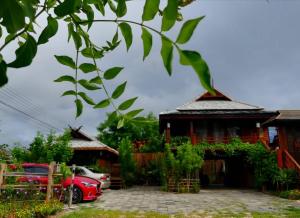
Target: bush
[(45, 149), (31, 209), (291, 194), (127, 162)]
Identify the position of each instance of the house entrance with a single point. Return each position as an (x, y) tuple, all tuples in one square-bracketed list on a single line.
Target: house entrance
[(227, 172)]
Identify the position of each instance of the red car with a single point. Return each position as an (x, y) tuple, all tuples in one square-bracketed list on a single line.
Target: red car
[(84, 189)]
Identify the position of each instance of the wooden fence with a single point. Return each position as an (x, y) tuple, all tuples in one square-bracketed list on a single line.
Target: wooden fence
[(4, 174), (143, 159)]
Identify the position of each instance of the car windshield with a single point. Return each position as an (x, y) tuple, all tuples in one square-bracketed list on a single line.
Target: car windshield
[(42, 170), (87, 170)]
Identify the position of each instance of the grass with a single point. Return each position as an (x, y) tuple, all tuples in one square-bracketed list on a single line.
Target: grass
[(97, 213)]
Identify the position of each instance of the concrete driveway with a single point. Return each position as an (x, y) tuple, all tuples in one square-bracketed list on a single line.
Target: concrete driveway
[(210, 201)]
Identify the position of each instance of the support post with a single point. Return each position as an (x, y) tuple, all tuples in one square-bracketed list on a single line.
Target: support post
[(2, 171), (193, 141), (71, 186), (50, 182), (168, 133)]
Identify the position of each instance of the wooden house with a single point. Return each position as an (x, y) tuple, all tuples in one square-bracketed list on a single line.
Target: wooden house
[(287, 123), (89, 151), (217, 119)]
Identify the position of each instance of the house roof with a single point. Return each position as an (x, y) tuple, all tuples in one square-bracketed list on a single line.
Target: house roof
[(209, 102), (81, 141), (285, 116)]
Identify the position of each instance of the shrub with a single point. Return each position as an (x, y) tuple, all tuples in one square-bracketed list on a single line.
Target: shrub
[(30, 209), (127, 162), (291, 194)]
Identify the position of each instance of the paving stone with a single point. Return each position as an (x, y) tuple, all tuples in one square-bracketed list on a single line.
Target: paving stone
[(207, 201)]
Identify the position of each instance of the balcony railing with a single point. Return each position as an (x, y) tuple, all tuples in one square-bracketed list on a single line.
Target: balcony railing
[(225, 140)]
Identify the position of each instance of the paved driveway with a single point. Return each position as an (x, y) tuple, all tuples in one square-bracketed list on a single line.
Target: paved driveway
[(207, 200)]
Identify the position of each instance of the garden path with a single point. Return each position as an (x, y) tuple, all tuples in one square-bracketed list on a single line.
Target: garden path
[(211, 201)]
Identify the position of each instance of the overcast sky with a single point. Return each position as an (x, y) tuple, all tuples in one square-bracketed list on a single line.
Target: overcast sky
[(252, 48)]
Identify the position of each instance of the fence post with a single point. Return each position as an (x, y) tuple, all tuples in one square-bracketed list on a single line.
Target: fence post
[(71, 186), (2, 171), (50, 181)]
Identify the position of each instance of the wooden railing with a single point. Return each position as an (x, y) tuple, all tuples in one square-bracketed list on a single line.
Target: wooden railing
[(289, 162), (226, 140), (4, 173)]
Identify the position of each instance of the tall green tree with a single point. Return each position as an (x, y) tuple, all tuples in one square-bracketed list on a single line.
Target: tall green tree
[(144, 130), (45, 149), (21, 20)]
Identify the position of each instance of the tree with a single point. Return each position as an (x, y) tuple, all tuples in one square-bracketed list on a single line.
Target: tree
[(4, 153), (127, 162), (81, 15), (146, 130), (45, 149)]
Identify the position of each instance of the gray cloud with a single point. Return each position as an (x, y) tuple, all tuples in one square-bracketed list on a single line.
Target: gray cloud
[(252, 48)]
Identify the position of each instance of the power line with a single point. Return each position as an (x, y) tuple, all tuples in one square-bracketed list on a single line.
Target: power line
[(28, 115), (28, 104)]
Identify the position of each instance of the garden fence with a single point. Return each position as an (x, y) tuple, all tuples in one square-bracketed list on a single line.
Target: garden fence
[(31, 182)]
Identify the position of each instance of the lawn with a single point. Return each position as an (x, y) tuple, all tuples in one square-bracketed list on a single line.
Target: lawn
[(97, 213)]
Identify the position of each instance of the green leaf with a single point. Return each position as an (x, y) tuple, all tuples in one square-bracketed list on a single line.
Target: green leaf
[(92, 53), (127, 104), (151, 7), (120, 123), (169, 15), (102, 104), (112, 73), (66, 60), (79, 107), (66, 78), (127, 34), (70, 30), (89, 86), (69, 92), (89, 13), (87, 67), (3, 76), (12, 15), (77, 39), (100, 7), (187, 30), (119, 91), (49, 31), (115, 38), (112, 5), (147, 42), (25, 53), (133, 113), (195, 60), (67, 7), (167, 53), (96, 80), (121, 8), (86, 98)]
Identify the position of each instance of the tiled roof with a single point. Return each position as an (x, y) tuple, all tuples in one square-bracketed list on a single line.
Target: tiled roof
[(216, 105), (78, 144), (288, 115)]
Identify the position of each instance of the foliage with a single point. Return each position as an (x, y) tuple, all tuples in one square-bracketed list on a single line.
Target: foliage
[(127, 162), (31, 209), (98, 169), (45, 149), (184, 165), (151, 174), (285, 178), (291, 194), (146, 130), (4, 153), (65, 170), (79, 16)]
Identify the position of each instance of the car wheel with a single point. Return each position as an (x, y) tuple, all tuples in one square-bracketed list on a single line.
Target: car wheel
[(77, 195)]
